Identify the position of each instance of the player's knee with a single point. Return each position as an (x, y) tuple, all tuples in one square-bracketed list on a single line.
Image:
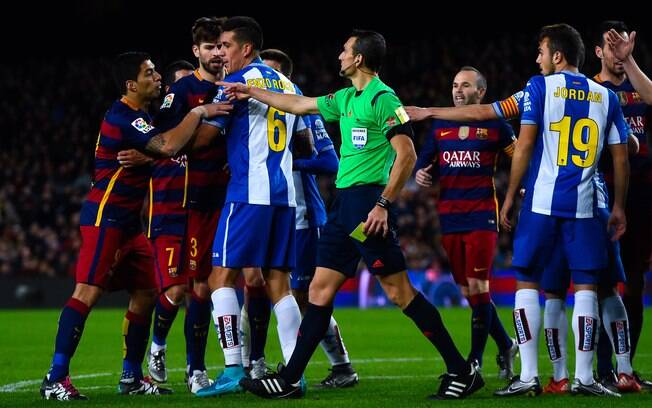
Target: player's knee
[(222, 278), (255, 280), (201, 289), (142, 301), (478, 287), (320, 295), (176, 294), (87, 294)]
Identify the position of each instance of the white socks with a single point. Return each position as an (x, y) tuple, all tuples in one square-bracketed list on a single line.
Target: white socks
[(586, 324), (245, 340), (226, 313), (333, 345), (527, 322), (616, 324), (288, 320), (555, 327)]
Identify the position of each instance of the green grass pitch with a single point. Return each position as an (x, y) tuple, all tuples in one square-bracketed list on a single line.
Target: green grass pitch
[(397, 365)]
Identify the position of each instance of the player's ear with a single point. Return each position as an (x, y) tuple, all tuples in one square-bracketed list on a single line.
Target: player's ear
[(131, 86), (557, 57), (598, 52), (247, 49), (195, 50)]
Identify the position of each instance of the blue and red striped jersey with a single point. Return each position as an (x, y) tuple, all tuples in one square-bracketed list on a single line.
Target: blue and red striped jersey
[(637, 113), (196, 180), (117, 193), (207, 177), (465, 156)]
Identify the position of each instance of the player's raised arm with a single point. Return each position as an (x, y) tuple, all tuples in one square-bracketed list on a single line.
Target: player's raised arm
[(169, 143), (297, 104), (622, 48), (468, 113)]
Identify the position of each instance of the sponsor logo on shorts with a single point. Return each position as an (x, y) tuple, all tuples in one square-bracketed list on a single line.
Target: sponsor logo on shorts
[(172, 271)]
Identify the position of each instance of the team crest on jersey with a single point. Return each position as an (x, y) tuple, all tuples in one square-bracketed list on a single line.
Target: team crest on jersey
[(359, 137), (142, 126), (391, 121), (481, 133), (329, 99), (463, 133), (167, 101)]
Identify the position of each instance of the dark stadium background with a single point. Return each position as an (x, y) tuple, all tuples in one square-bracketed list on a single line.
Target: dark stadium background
[(55, 87)]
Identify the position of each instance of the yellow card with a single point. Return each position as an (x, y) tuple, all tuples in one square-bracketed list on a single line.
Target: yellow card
[(358, 233)]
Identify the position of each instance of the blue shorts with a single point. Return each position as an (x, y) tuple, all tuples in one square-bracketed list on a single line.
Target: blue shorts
[(337, 250), (556, 276), (306, 244), (583, 241), (251, 235)]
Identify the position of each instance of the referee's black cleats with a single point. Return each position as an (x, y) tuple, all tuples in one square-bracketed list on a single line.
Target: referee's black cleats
[(273, 386), (458, 386)]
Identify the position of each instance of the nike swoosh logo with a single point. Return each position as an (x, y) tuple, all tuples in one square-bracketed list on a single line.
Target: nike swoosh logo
[(479, 269), (445, 133)]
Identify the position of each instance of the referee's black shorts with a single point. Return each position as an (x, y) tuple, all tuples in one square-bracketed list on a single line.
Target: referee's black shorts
[(339, 251)]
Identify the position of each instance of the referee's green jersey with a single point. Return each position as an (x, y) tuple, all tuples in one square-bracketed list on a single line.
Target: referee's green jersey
[(366, 117)]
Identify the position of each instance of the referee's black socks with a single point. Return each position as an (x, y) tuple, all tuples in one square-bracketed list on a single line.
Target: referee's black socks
[(427, 318), (312, 330)]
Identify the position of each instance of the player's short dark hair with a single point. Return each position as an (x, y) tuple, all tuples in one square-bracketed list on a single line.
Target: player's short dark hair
[(126, 66), (279, 56), (481, 81), (246, 30), (170, 71), (605, 26), (207, 29), (565, 39), (371, 45)]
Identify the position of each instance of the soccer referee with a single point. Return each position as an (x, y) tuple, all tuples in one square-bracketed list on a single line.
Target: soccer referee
[(377, 157)]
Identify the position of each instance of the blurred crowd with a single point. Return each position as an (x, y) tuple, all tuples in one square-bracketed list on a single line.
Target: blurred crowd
[(50, 116)]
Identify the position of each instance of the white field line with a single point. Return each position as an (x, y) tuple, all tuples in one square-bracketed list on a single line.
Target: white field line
[(13, 387), (20, 385)]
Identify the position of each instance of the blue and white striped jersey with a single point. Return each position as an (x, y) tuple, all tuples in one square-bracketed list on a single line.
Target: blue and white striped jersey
[(258, 140), (576, 117)]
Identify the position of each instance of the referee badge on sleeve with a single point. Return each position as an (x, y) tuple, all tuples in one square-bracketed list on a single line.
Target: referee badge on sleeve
[(359, 137)]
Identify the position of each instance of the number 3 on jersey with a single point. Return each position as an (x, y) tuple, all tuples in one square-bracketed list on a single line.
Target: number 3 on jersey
[(276, 130), (590, 147)]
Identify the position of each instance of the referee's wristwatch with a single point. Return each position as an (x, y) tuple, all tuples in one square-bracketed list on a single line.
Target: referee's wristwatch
[(383, 202)]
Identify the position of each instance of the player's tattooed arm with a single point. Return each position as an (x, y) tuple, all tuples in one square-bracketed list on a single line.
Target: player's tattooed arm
[(169, 143)]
